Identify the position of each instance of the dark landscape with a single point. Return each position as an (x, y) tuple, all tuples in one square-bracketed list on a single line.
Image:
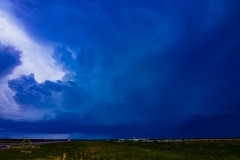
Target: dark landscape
[(137, 149)]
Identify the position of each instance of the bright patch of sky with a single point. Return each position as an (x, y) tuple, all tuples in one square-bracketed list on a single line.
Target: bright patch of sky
[(36, 57)]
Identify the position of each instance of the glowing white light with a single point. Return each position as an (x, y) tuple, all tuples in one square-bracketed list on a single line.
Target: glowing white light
[(36, 58)]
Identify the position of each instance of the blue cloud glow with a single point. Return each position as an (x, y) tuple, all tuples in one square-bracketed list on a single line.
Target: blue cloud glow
[(9, 59), (147, 68)]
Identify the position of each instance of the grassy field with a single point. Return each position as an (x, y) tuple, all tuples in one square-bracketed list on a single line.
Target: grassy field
[(128, 150)]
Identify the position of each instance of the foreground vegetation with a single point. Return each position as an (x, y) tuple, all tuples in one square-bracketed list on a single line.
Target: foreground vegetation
[(129, 150)]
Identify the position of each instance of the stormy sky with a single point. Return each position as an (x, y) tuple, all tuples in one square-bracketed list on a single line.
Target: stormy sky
[(119, 69)]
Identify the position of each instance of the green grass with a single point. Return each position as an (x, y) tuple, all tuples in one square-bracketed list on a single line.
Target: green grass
[(110, 150)]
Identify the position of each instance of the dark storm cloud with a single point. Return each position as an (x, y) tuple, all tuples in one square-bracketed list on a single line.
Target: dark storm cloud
[(22, 83), (207, 126), (64, 16), (223, 125), (80, 62), (9, 59), (31, 93), (150, 61), (150, 130)]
